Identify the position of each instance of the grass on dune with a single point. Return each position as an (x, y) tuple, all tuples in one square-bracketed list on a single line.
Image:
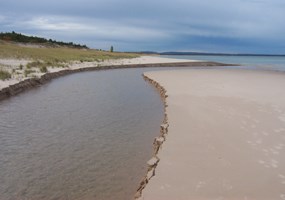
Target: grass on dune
[(40, 58), (4, 75), (54, 56)]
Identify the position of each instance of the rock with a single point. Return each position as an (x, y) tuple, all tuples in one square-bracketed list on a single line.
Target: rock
[(153, 161), (151, 173), (164, 126), (159, 140)]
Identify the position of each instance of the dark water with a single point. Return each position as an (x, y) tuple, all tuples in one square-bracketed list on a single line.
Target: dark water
[(82, 136)]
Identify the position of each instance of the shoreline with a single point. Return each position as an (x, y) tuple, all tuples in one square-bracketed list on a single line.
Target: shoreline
[(21, 69), (26, 84), (158, 141), (186, 170)]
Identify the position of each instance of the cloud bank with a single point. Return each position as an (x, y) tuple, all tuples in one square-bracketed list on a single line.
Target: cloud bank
[(234, 26)]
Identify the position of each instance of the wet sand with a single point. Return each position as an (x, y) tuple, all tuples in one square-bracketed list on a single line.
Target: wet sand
[(226, 136)]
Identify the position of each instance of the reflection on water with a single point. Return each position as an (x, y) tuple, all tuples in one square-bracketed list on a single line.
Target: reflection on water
[(83, 136)]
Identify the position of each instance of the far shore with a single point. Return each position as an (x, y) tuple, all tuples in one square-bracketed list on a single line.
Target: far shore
[(19, 83), (226, 136)]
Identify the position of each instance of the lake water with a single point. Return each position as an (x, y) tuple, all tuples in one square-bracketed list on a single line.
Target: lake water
[(82, 136), (253, 62)]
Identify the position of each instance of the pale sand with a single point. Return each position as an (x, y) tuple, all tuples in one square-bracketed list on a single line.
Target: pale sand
[(226, 136), (18, 75)]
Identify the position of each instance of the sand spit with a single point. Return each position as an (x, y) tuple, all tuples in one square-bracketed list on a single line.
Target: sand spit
[(226, 136), (18, 83)]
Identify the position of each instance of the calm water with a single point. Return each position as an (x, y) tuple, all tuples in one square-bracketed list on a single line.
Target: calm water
[(87, 135), (253, 62), (82, 136)]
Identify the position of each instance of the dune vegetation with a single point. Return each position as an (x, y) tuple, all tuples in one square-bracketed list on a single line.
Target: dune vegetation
[(54, 56), (4, 75), (37, 58)]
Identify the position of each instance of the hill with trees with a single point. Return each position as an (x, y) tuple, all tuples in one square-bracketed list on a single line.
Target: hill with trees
[(20, 38)]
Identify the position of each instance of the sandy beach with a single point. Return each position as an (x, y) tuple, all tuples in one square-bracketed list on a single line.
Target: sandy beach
[(226, 136), (24, 77), (13, 64)]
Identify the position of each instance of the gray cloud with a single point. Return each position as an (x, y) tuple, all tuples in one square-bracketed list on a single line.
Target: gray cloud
[(221, 25)]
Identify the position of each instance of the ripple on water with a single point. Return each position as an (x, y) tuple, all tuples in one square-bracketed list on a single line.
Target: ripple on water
[(83, 136)]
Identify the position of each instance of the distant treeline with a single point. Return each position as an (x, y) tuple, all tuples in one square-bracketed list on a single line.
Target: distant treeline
[(174, 53), (215, 54), (18, 37)]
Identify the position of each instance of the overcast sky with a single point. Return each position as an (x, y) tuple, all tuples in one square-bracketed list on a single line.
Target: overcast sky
[(233, 26)]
